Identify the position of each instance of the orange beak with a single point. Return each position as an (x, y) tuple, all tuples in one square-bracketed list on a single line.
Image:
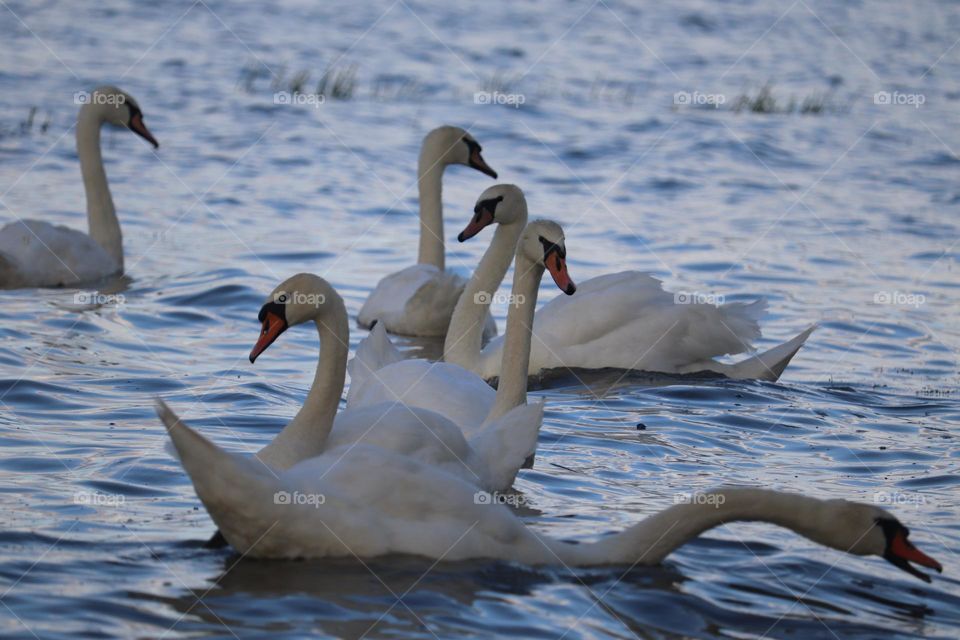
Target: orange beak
[(137, 126), (481, 219), (902, 551), (273, 326), (478, 163), (558, 269)]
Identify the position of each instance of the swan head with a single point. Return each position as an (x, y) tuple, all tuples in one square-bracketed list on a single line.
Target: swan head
[(501, 203), (452, 145), (542, 243), (296, 300), (865, 529), (118, 108)]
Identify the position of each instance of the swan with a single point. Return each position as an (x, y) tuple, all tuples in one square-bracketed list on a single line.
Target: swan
[(490, 457), (369, 502), (418, 300), (38, 254), (379, 371), (622, 320)]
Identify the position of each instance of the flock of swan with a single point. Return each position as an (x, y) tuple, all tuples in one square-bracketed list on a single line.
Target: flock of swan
[(399, 468)]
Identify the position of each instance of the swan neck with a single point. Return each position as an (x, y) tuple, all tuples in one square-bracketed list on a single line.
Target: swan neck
[(430, 187), (465, 333), (659, 535), (101, 216), (306, 435), (512, 386)]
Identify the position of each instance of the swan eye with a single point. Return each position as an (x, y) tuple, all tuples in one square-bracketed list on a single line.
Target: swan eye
[(133, 110), (551, 247), (489, 206)]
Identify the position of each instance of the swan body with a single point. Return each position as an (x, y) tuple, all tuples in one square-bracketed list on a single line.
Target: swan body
[(418, 300), (662, 335), (489, 456), (366, 502), (38, 254), (379, 370), (622, 320)]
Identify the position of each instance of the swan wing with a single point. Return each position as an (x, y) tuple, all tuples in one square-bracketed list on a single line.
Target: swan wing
[(505, 444), (444, 388), (416, 301), (373, 353)]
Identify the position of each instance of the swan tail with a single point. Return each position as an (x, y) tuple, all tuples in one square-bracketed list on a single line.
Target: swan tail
[(768, 365), (374, 353), (237, 491), (506, 443)]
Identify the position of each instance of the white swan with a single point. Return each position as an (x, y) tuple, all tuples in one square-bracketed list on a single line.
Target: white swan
[(369, 502), (418, 300), (489, 457), (39, 254), (621, 320), (378, 371)]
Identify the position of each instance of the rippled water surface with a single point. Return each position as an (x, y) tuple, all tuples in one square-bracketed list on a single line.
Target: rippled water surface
[(829, 214)]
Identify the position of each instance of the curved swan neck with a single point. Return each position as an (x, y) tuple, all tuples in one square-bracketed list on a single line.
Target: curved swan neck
[(465, 332), (512, 387), (430, 187), (101, 216), (657, 536), (306, 435)]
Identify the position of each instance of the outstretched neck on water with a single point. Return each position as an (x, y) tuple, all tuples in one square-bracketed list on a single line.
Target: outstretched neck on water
[(652, 540)]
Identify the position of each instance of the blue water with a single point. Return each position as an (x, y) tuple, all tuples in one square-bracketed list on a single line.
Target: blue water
[(828, 214)]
